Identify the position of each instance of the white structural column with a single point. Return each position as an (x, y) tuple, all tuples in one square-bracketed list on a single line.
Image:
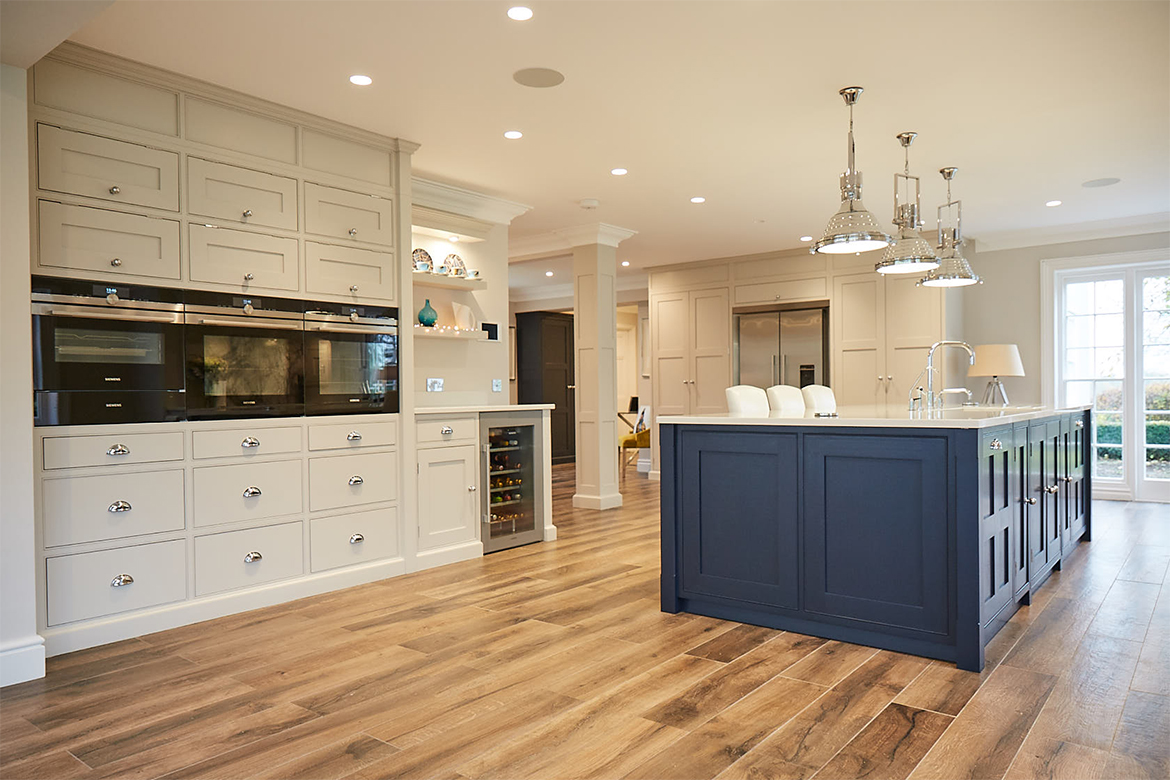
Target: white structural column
[(595, 348)]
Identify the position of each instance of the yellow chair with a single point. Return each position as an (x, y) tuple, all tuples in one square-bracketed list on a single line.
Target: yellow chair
[(632, 441)]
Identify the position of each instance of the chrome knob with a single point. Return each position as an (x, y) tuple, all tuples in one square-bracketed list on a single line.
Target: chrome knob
[(471, 488), (120, 580), (1080, 423), (253, 556), (353, 232), (248, 278), (356, 480), (119, 506), (115, 190), (890, 378), (353, 315), (353, 288), (1052, 489), (446, 430), (996, 444), (570, 387), (356, 539), (116, 263), (1069, 480), (118, 449), (248, 308), (880, 377), (247, 213), (251, 492), (353, 436), (112, 298), (1030, 501), (250, 442)]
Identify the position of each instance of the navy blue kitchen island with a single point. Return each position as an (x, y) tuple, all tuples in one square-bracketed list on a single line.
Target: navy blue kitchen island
[(877, 527)]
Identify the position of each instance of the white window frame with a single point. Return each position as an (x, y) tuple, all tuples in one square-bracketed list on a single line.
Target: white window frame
[(1051, 272)]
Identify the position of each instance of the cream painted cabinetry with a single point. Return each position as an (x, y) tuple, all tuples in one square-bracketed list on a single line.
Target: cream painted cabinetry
[(448, 500), (691, 347), (882, 330)]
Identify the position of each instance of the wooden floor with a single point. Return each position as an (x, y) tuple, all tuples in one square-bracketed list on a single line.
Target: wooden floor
[(553, 661)]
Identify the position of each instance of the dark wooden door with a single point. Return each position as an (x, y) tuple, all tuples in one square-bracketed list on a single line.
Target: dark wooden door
[(739, 516), (544, 367)]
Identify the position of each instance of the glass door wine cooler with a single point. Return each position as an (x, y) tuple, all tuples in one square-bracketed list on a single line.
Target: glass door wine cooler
[(513, 507)]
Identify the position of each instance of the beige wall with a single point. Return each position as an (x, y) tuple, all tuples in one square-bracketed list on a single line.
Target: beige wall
[(466, 367), (22, 654), (1005, 309)]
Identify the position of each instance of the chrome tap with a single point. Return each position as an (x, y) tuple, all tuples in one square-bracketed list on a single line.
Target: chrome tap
[(933, 401)]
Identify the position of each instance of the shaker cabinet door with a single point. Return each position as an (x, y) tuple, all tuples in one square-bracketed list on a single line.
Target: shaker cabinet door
[(448, 493), (342, 270)]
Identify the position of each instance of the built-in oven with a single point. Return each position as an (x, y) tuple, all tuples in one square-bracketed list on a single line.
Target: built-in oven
[(244, 356), (106, 353), (351, 359)]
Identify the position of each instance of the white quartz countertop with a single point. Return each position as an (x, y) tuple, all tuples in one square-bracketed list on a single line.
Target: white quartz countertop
[(886, 417), (483, 408)]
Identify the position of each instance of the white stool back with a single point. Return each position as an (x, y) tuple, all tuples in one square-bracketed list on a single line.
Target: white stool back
[(747, 401), (818, 398), (786, 400)]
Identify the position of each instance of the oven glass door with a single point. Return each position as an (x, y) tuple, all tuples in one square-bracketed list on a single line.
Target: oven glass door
[(104, 352), (244, 369), (351, 371)]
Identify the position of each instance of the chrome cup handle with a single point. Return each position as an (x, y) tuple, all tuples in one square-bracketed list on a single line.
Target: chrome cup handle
[(251, 492), (356, 480), (119, 506), (356, 539), (249, 442), (121, 580), (253, 556), (353, 436), (118, 449)]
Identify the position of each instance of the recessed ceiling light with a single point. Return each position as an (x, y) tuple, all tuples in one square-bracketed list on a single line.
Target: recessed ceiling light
[(512, 135), (548, 273), (697, 199), (625, 263), (619, 171), (1052, 203), (806, 238), (360, 80), (1108, 181), (519, 13), (453, 239)]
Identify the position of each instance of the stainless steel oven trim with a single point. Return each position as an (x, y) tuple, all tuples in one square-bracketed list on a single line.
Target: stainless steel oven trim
[(328, 327), (103, 303), (339, 319), (236, 312), (109, 313), (227, 321)]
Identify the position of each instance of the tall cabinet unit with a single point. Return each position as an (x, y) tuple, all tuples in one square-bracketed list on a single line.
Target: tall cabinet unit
[(691, 348)]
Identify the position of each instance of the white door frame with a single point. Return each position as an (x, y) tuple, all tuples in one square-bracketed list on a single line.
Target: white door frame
[(1050, 271)]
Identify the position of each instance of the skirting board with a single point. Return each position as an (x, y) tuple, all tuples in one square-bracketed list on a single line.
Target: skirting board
[(22, 661), (428, 559), (66, 639)]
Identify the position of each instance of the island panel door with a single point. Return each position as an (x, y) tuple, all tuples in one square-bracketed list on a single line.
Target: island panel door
[(997, 515), (739, 516), (876, 529)]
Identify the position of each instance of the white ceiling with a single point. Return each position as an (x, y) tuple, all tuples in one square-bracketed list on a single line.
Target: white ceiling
[(734, 101)]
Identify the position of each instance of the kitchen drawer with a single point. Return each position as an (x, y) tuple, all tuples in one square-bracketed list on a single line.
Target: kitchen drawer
[(246, 442), (96, 167), (111, 506), (352, 436), (107, 242), (80, 587), (354, 538), (436, 429), (249, 259), (115, 449), (352, 480), (273, 489), (343, 270), (241, 195), (239, 559), (348, 215)]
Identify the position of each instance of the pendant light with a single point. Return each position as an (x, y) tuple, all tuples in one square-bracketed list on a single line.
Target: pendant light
[(910, 253), (852, 228), (953, 270)]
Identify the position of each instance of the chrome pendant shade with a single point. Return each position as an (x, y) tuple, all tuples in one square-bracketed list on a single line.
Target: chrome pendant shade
[(852, 228), (910, 253), (953, 269)]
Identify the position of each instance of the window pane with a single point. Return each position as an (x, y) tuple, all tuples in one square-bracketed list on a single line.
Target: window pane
[(1156, 327), (1109, 297), (1108, 429), (1110, 362), (1078, 393), (1110, 330), (1078, 298), (1079, 364), (1109, 397), (1158, 396), (1156, 292), (1157, 433), (1108, 464), (1078, 331), (1156, 362)]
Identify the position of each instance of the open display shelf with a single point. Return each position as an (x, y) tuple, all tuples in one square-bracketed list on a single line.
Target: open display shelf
[(427, 279), (450, 333)]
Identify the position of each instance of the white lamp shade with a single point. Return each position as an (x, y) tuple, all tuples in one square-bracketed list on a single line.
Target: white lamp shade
[(997, 360)]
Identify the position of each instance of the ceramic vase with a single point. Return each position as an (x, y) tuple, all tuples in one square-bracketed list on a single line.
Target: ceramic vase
[(427, 315)]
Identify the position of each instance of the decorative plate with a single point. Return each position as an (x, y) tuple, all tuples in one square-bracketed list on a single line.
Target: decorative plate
[(455, 265), (422, 256)]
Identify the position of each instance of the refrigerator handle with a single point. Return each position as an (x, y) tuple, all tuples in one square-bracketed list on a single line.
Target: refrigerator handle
[(775, 369)]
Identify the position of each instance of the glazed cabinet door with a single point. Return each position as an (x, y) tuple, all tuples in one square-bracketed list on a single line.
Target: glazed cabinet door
[(1023, 511), (997, 515), (1074, 479), (448, 490)]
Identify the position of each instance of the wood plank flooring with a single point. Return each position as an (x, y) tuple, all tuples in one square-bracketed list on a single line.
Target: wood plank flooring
[(554, 661)]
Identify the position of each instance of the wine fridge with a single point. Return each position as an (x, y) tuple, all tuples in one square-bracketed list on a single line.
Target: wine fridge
[(514, 503)]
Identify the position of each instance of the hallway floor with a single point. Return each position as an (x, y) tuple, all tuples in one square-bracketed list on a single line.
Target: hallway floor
[(554, 661)]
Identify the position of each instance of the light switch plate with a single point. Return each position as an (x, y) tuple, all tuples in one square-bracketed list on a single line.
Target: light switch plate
[(434, 384), (497, 385)]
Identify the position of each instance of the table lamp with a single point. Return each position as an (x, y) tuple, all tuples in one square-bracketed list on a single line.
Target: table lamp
[(996, 360)]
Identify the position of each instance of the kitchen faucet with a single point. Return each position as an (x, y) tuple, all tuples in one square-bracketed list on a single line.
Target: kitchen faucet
[(931, 400)]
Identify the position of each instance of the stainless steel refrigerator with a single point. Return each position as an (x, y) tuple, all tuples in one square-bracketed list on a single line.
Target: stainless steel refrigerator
[(781, 348)]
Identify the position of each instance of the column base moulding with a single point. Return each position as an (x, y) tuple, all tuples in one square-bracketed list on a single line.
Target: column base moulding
[(22, 660), (611, 501), (68, 638)]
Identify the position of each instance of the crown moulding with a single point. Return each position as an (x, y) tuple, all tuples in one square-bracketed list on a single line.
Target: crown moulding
[(465, 203), (561, 240)]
